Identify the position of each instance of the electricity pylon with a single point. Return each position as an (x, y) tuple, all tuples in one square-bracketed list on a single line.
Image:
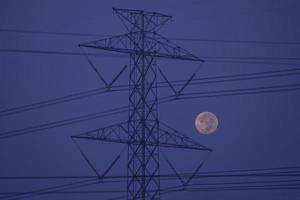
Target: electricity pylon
[(142, 132)]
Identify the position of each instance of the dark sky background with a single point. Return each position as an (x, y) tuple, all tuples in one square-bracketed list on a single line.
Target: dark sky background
[(256, 131)]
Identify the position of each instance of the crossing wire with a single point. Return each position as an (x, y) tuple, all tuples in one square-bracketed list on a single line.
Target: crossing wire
[(119, 88), (172, 38)]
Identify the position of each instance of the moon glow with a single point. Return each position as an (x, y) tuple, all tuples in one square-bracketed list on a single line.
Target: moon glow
[(206, 123)]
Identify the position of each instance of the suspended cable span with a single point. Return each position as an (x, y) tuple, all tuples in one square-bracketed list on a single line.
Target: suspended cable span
[(59, 188), (254, 171), (65, 122), (51, 52), (245, 91), (220, 93), (55, 101), (52, 33), (242, 75), (196, 81), (189, 188), (230, 78), (280, 184), (252, 62), (220, 58), (69, 121), (172, 38)]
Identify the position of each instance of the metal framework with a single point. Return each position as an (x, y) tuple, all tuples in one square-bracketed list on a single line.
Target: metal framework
[(142, 132)]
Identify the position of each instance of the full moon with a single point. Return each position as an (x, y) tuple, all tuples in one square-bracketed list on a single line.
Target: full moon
[(206, 123)]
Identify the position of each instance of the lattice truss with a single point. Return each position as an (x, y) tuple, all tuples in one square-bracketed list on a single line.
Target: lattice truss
[(142, 132)]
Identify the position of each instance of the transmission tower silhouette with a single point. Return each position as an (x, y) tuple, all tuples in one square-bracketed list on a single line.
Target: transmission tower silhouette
[(143, 133)]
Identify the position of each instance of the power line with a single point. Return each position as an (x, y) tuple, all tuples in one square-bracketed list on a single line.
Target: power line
[(254, 171), (68, 192), (209, 58), (52, 33), (55, 101), (252, 62), (241, 77), (250, 58), (236, 188), (219, 93), (173, 38), (283, 184), (245, 89), (236, 41), (61, 188), (62, 123), (189, 188), (240, 92), (69, 121), (205, 80), (51, 52)]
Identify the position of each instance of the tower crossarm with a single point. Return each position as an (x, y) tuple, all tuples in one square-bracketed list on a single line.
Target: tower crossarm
[(177, 140), (114, 133), (154, 45), (118, 133)]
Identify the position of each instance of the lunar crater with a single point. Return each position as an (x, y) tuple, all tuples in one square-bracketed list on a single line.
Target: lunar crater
[(206, 123)]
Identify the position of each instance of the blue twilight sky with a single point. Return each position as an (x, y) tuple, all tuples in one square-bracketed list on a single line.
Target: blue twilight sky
[(256, 131)]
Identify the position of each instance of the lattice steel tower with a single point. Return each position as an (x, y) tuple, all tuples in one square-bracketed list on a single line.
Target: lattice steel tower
[(142, 132)]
